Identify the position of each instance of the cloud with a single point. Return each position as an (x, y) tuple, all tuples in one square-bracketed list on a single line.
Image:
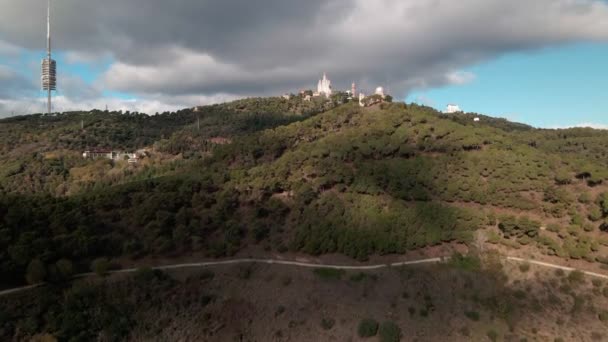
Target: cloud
[(150, 105), (7, 49), (460, 77), (73, 57), (584, 125), (19, 84), (237, 48)]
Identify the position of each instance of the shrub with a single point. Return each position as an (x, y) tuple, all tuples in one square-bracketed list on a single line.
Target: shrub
[(465, 331), (144, 275), (588, 227), (603, 316), (492, 335), (65, 269), (357, 277), (524, 268), (280, 310), (100, 266), (367, 328), (286, 281), (328, 273), (585, 198), (553, 227), (519, 294), (36, 272), (465, 262), (576, 277), (245, 272), (390, 332), (595, 214), (563, 178), (518, 227), (472, 315), (328, 323)]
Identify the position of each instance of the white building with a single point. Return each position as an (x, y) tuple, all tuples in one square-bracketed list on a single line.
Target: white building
[(324, 87), (452, 108), (380, 91), (361, 98), (109, 154)]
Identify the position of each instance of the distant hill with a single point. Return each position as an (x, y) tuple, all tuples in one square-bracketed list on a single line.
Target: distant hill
[(292, 175)]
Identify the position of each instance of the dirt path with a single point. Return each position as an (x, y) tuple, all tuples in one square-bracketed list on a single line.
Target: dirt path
[(309, 265), (549, 265)]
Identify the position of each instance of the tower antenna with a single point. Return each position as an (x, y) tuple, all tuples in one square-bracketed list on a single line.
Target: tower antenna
[(49, 66)]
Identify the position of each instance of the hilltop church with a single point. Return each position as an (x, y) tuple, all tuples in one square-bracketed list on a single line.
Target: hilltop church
[(324, 87)]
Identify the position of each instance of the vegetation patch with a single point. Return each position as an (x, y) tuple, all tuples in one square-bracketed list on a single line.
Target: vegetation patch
[(367, 327), (465, 262), (472, 315), (390, 332), (328, 323), (329, 273)]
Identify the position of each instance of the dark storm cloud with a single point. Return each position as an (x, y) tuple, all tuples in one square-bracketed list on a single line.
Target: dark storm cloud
[(183, 48), (139, 30)]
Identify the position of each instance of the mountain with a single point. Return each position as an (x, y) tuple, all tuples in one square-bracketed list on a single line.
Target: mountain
[(270, 178), (290, 175)]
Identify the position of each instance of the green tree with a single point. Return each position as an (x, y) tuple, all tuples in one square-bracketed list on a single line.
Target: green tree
[(595, 214), (390, 332), (603, 202), (65, 269), (367, 327), (36, 272), (100, 266)]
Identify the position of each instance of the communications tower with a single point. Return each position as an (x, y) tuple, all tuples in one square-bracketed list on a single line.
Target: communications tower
[(49, 66)]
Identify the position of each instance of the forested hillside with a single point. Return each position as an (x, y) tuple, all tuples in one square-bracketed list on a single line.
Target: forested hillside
[(293, 175)]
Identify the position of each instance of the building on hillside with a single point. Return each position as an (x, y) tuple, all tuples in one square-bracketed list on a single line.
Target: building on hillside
[(379, 96), (353, 90), (112, 155), (477, 119), (324, 87), (98, 153), (286, 96), (361, 98), (452, 108)]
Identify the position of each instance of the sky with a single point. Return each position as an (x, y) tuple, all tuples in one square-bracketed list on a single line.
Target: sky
[(553, 87), (533, 61)]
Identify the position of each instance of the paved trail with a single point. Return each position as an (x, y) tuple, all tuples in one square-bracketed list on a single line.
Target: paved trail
[(307, 265)]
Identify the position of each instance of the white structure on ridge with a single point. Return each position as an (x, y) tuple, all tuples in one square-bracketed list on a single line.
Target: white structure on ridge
[(361, 98), (380, 91), (49, 65), (452, 108), (324, 87)]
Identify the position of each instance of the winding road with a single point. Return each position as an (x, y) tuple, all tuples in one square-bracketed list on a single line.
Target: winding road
[(309, 265)]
